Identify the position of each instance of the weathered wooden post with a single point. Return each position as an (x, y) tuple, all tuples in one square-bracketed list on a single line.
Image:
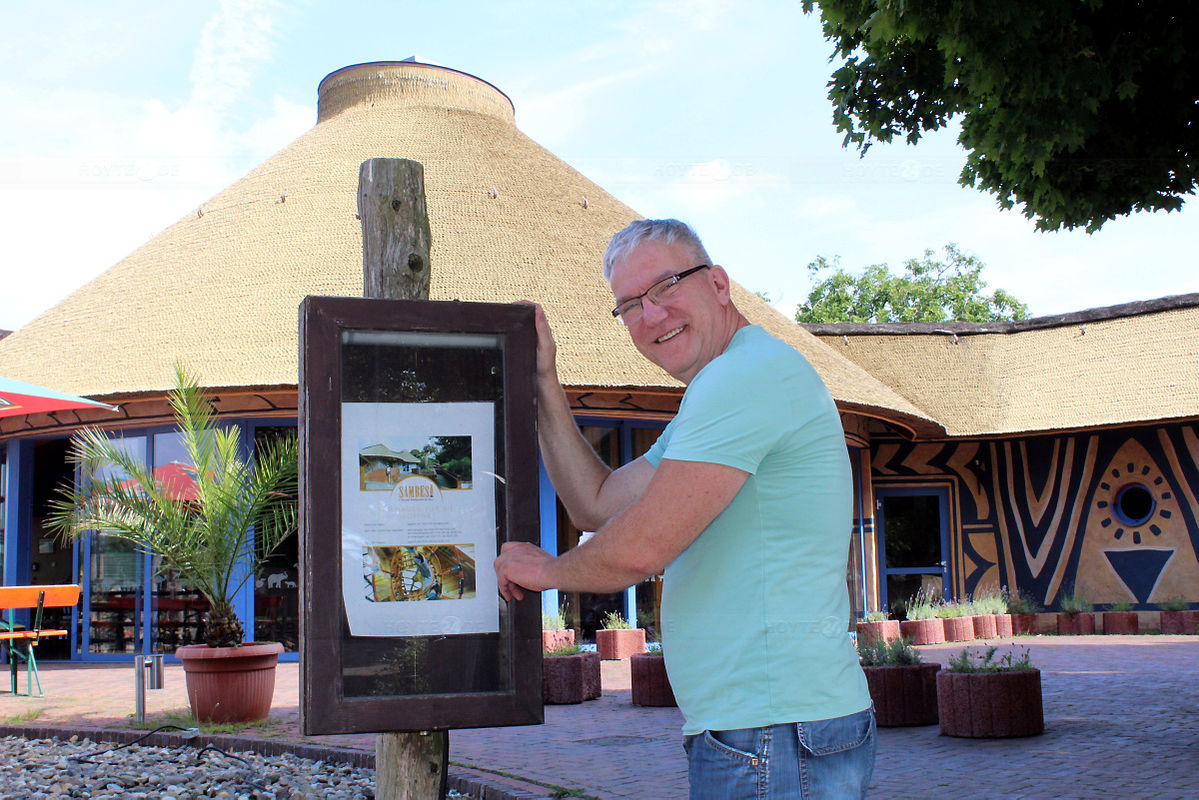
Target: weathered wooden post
[(395, 266)]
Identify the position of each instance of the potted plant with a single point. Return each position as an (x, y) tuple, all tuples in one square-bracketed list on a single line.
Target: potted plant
[(214, 536), (876, 627), (617, 639), (991, 619), (554, 633), (1023, 610), (902, 688), (922, 625), (984, 698), (569, 674), (1177, 616), (1075, 618), (958, 621), (650, 683), (1120, 619)]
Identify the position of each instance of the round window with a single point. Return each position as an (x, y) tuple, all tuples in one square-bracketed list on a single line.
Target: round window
[(1134, 504)]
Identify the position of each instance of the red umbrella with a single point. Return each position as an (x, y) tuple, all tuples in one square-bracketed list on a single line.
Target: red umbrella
[(177, 481), (18, 397)]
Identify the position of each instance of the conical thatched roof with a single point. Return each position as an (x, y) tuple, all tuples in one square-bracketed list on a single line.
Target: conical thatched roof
[(1135, 363), (219, 290)]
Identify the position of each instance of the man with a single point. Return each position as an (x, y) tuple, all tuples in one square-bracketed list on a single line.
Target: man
[(745, 501)]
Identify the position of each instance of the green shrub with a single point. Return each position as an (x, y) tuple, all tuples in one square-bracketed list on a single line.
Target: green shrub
[(553, 622), (893, 652), (1021, 603), (614, 620), (966, 661), (876, 616), (954, 609), (1076, 603), (1174, 604), (565, 650), (989, 601), (1122, 605), (924, 605)]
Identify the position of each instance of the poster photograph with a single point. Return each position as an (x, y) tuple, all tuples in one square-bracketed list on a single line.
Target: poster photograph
[(418, 518)]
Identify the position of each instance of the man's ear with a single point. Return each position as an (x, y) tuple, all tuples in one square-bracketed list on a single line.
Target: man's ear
[(720, 280)]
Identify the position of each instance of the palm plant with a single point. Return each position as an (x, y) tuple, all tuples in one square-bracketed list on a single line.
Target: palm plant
[(238, 512)]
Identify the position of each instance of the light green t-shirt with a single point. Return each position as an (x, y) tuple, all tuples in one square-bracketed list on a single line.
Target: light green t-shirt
[(755, 611)]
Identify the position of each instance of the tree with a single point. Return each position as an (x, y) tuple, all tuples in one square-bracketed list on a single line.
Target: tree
[(927, 291), (1079, 110)]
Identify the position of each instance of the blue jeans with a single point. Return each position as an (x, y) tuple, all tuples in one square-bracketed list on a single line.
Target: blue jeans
[(830, 759)]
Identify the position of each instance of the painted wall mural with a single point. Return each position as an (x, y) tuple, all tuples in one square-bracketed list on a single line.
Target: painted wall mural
[(1111, 515)]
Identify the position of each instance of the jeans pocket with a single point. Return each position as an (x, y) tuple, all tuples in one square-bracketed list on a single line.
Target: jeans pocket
[(724, 764), (828, 736)]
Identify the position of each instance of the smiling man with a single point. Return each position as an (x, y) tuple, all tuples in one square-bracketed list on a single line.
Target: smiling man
[(745, 502)]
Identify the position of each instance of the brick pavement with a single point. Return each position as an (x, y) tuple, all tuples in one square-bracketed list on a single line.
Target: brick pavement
[(1120, 719)]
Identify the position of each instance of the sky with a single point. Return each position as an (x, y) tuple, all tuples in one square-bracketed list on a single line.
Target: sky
[(122, 117)]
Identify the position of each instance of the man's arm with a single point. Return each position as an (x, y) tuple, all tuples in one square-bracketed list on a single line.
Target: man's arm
[(591, 491), (680, 501)]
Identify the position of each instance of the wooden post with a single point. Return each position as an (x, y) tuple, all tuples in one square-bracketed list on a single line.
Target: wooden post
[(395, 266)]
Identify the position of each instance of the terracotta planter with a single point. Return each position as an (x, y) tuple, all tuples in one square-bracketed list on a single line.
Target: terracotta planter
[(959, 629), (591, 675), (881, 631), (903, 695), (1024, 624), (651, 686), (989, 705), (1081, 624), (1121, 622), (556, 640), (614, 644), (230, 684), (1003, 625), (1180, 622), (923, 631), (985, 626), (563, 679)]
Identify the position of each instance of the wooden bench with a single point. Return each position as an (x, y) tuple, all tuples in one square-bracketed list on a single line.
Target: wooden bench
[(20, 640)]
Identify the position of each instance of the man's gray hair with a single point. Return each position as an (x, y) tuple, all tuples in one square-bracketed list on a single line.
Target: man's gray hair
[(666, 231)]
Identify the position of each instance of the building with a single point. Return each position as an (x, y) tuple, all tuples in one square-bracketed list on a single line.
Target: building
[(219, 291)]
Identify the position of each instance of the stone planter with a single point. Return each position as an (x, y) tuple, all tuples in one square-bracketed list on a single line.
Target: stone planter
[(1003, 626), (230, 684), (988, 705), (651, 686), (985, 626), (556, 640), (614, 644), (1080, 624), (1121, 622), (959, 629), (562, 679), (1180, 622), (923, 631), (903, 695), (880, 631), (1024, 624)]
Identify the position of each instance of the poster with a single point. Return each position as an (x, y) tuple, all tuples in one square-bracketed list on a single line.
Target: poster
[(418, 518)]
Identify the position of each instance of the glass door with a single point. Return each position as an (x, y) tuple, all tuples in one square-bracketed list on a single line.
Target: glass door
[(913, 529)]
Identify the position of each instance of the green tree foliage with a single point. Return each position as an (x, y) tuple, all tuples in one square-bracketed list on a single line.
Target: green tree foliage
[(927, 291), (1078, 110)]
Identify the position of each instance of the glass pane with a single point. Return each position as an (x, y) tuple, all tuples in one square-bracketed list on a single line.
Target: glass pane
[(116, 580), (276, 592), (912, 531), (902, 588), (177, 616)]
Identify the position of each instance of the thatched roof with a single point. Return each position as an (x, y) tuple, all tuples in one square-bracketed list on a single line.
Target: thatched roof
[(1126, 364), (219, 289)]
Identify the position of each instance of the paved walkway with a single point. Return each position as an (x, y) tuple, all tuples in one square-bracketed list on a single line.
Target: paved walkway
[(1121, 721)]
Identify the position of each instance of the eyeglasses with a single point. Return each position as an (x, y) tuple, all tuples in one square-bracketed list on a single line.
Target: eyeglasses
[(629, 311)]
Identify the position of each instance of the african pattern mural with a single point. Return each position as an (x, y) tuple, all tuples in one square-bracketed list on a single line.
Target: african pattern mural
[(1110, 515)]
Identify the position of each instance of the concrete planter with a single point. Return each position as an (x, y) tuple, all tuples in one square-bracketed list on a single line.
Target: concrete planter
[(985, 626), (990, 705), (1080, 624), (614, 644), (923, 631), (556, 640), (903, 695), (651, 686), (1024, 624), (1003, 626), (880, 631), (562, 679), (959, 629), (1121, 622), (1186, 622)]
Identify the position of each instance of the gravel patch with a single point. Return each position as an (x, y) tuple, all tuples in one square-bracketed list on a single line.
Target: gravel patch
[(40, 769)]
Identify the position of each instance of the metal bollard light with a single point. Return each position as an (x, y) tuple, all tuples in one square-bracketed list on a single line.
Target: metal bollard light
[(143, 666)]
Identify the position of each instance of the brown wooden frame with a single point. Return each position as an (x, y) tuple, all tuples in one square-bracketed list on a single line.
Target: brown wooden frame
[(324, 708)]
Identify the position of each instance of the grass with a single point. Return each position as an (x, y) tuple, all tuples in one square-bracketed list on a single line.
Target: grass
[(25, 716), (966, 661), (184, 719)]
